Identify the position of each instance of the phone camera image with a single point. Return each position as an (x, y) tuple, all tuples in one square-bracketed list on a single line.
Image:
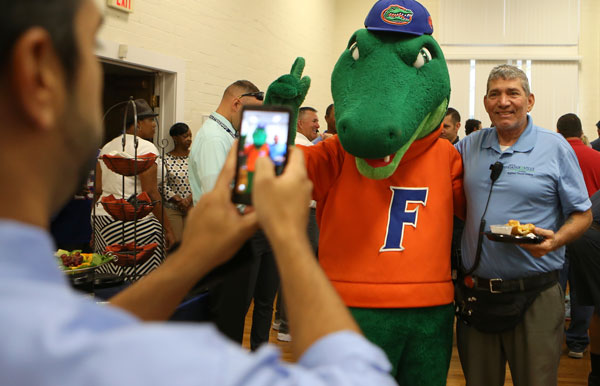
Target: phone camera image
[(264, 133)]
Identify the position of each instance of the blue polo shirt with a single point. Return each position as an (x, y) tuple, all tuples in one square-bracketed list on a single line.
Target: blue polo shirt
[(541, 183)]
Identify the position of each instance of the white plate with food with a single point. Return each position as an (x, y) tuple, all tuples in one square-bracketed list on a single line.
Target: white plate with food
[(514, 232)]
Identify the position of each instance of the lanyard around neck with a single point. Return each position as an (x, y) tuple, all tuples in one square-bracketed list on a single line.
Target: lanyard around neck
[(227, 129)]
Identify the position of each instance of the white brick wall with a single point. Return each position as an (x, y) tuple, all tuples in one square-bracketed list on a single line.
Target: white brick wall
[(222, 41), (225, 40)]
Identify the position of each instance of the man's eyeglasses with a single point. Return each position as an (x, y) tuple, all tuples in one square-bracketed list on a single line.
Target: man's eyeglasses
[(260, 95)]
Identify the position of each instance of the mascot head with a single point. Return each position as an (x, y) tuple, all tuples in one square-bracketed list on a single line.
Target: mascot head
[(390, 86), (259, 137)]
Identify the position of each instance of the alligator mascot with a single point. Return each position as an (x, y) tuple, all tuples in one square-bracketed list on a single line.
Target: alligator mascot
[(387, 187), (258, 148)]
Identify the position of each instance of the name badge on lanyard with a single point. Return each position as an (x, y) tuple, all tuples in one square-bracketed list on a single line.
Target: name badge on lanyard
[(227, 129)]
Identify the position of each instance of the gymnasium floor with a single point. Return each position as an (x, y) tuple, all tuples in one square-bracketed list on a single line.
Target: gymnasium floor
[(572, 372)]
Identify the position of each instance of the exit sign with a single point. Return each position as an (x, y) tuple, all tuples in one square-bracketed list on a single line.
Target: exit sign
[(123, 5)]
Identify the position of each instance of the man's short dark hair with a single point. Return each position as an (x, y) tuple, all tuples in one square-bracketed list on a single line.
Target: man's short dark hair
[(328, 110), (454, 114), (304, 109), (57, 17), (471, 125), (569, 125), (598, 125), (244, 85)]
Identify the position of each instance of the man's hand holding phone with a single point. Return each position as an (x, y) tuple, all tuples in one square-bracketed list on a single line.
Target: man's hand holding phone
[(264, 132), (281, 202)]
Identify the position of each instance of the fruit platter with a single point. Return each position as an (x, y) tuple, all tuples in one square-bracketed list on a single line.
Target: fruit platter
[(72, 262)]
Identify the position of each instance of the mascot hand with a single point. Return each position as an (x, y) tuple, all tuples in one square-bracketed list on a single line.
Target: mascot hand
[(289, 90)]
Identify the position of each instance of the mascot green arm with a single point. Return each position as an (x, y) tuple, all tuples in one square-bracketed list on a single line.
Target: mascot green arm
[(290, 90)]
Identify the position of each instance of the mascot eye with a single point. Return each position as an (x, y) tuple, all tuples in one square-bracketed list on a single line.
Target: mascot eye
[(423, 58), (354, 50)]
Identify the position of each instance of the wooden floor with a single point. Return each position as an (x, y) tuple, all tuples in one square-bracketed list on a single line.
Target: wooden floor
[(572, 372)]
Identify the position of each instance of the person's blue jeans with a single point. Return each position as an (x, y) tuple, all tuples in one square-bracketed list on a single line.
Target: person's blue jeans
[(577, 334)]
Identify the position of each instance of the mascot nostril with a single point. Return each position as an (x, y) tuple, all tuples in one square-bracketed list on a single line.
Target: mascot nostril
[(387, 187)]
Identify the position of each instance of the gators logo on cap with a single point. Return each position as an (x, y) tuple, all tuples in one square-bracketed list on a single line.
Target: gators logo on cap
[(397, 14)]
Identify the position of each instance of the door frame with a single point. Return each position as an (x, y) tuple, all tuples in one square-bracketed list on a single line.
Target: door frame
[(169, 81)]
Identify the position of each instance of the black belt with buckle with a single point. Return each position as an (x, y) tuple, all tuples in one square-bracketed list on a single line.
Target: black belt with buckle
[(516, 285)]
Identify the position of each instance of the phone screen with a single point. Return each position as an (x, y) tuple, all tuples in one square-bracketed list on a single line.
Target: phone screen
[(264, 132)]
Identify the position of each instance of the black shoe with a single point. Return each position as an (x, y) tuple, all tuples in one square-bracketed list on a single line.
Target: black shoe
[(593, 380)]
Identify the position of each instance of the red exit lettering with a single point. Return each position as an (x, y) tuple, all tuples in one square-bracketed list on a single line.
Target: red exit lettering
[(124, 3)]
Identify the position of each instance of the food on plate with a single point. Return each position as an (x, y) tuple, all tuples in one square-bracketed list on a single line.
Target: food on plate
[(70, 260), (519, 229), (501, 229)]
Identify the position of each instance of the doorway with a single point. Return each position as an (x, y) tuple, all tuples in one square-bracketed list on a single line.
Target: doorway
[(121, 83)]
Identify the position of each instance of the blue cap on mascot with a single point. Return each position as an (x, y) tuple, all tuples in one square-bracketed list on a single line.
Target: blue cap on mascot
[(404, 16)]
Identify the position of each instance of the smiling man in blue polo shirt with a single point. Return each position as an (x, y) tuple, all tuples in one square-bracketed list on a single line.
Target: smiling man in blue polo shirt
[(541, 183)]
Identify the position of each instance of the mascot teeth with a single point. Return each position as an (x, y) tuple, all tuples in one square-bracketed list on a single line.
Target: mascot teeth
[(386, 159)]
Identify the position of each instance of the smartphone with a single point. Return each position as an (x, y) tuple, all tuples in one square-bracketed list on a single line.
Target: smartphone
[(264, 132)]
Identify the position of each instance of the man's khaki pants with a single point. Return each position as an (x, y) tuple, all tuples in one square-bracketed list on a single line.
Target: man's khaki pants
[(532, 348)]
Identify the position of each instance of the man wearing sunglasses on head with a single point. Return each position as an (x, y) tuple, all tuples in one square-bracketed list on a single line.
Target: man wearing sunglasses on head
[(214, 139), (232, 287), (260, 95)]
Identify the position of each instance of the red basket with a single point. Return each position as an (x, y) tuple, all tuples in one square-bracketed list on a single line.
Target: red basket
[(121, 209), (126, 166), (125, 253)]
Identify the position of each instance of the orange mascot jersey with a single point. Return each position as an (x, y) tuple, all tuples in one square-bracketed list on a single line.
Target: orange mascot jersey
[(386, 243), (253, 153)]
